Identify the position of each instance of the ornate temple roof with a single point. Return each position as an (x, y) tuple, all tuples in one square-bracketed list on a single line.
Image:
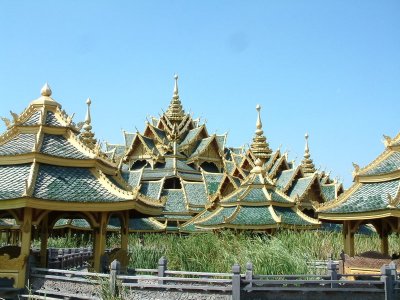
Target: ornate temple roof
[(375, 192), (257, 205), (44, 160)]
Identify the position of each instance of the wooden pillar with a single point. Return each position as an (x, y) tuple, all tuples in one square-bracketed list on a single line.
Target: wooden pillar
[(383, 235), (26, 235), (348, 238), (125, 231), (100, 241), (44, 235)]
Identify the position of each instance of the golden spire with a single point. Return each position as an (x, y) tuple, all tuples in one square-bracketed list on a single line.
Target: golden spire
[(307, 164), (45, 98), (260, 147), (87, 136), (175, 111)]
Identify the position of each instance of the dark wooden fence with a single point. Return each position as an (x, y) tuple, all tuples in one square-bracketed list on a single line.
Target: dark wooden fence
[(237, 284)]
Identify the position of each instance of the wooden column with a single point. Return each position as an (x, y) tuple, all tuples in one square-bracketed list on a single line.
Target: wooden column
[(383, 235), (125, 231), (44, 235), (26, 235), (100, 241), (348, 238)]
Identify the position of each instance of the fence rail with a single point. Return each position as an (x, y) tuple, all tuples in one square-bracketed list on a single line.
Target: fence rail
[(238, 285)]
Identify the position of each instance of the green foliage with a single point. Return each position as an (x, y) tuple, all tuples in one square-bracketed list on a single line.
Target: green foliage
[(286, 252)]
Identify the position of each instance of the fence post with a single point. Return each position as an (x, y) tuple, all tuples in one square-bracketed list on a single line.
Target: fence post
[(332, 272), (114, 271), (249, 274), (60, 258), (236, 282), (162, 267), (388, 276)]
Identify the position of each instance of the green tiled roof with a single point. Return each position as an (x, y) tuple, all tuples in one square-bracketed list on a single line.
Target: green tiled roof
[(144, 224), (276, 165), (149, 142), (212, 181), (255, 195), (149, 174), (119, 149), (190, 136), (12, 183), (231, 198), (390, 164), (230, 167), (278, 197), (202, 146), (7, 223), (290, 217), (284, 178), (132, 177), (129, 138), (51, 120), (169, 164), (219, 216), (329, 191), (255, 179), (368, 197), (114, 180), (300, 186), (152, 189), (70, 184), (175, 201), (160, 133), (181, 217), (20, 144), (33, 119), (221, 141), (256, 216), (57, 145), (195, 193), (238, 159), (61, 222)]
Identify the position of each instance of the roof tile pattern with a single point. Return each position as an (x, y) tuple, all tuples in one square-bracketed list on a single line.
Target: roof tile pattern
[(33, 119), (20, 144), (70, 184), (174, 201), (57, 145), (151, 189), (253, 216), (12, 183), (195, 193), (390, 164), (368, 197), (51, 120)]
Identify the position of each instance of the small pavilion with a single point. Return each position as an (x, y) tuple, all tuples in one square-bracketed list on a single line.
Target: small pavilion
[(51, 170), (374, 198)]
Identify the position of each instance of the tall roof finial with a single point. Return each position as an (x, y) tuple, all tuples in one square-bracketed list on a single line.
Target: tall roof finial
[(260, 147), (175, 111), (87, 136), (307, 164), (46, 90), (176, 91)]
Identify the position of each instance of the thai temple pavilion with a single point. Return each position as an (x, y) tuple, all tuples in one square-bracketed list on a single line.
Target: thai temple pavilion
[(374, 198), (173, 177)]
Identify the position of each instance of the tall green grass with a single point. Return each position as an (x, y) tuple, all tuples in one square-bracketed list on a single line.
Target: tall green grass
[(286, 252)]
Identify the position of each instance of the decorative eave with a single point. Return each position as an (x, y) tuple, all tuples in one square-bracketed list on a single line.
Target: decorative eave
[(369, 215), (341, 199)]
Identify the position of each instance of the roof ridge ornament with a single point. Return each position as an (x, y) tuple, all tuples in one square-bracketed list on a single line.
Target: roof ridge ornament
[(307, 164), (260, 146), (87, 136), (175, 111), (46, 90)]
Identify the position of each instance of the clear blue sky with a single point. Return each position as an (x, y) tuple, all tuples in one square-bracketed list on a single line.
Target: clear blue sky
[(330, 68)]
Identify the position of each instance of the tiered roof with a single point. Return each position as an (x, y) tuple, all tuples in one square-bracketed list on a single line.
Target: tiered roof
[(256, 205), (46, 163)]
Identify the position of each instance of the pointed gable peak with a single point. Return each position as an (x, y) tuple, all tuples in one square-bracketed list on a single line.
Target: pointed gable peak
[(87, 136)]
